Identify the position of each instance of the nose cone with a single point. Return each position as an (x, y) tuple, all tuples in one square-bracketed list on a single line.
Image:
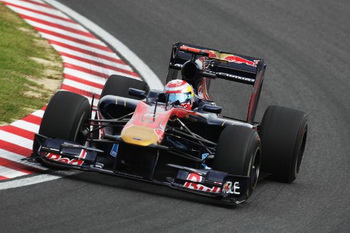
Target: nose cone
[(139, 135)]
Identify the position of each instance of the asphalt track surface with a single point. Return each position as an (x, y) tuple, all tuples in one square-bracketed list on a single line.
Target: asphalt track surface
[(305, 45)]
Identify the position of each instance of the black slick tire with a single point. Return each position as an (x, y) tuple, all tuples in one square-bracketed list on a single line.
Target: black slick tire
[(283, 134), (238, 153), (65, 118), (119, 86)]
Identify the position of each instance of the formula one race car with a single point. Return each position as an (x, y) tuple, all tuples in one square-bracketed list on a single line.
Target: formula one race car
[(176, 137)]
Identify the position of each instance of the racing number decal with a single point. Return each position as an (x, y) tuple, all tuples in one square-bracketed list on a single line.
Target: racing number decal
[(231, 188), (198, 178)]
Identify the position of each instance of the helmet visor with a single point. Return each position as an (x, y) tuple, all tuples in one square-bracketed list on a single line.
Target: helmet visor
[(181, 97)]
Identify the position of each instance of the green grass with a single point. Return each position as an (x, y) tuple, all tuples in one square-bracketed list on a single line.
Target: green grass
[(29, 67)]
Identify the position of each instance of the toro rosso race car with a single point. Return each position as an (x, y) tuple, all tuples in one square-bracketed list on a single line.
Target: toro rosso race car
[(176, 136)]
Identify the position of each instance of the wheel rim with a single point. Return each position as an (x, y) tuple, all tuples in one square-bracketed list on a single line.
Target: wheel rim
[(300, 153), (255, 170), (80, 137)]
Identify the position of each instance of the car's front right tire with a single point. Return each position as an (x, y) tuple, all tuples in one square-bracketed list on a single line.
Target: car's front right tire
[(66, 117)]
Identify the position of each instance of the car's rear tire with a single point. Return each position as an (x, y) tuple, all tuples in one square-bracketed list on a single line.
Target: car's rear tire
[(119, 86), (238, 153), (283, 134), (65, 118)]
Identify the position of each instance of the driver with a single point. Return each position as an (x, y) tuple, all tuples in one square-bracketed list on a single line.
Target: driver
[(180, 91)]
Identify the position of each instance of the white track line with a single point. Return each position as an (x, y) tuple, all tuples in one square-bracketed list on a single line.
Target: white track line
[(38, 113), (47, 18), (18, 159), (10, 173), (42, 27), (37, 8), (78, 45), (90, 57), (35, 179), (15, 139), (81, 86), (94, 67), (85, 76), (26, 125)]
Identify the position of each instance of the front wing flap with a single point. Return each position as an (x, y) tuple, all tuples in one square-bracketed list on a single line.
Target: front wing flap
[(64, 153), (207, 182)]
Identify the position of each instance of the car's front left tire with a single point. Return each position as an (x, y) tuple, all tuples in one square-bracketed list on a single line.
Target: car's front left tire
[(238, 153), (283, 134)]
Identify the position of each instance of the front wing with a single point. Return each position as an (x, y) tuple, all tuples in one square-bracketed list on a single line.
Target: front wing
[(61, 153)]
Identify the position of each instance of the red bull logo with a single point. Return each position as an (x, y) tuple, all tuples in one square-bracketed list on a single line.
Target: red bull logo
[(222, 56), (212, 54), (196, 178), (240, 60)]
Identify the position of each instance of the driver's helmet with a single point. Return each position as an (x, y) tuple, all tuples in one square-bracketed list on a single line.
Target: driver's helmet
[(181, 91)]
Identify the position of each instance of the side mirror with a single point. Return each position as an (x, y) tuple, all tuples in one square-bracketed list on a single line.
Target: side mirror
[(212, 108), (141, 94)]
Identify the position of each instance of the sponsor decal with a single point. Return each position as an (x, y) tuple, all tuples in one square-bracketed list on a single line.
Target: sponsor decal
[(237, 77), (114, 150), (204, 156), (222, 56), (82, 154), (213, 54), (61, 159), (231, 188), (240, 60), (194, 177)]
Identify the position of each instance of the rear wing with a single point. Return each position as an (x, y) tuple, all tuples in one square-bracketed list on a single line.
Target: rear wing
[(222, 65)]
